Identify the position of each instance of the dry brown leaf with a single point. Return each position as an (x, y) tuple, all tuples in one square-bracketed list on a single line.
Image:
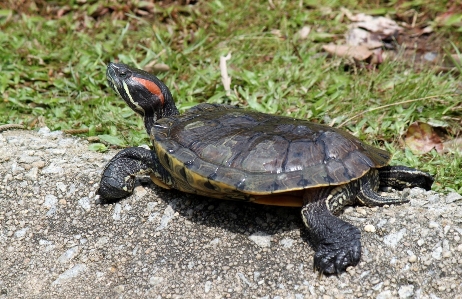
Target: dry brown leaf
[(160, 67), (454, 145), (422, 138), (361, 37), (427, 30), (359, 53), (369, 32), (304, 32), (380, 25)]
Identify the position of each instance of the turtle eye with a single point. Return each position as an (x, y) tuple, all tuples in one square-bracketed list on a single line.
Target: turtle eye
[(123, 73)]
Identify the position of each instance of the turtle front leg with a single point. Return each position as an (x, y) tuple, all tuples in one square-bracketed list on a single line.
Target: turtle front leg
[(118, 179), (336, 242)]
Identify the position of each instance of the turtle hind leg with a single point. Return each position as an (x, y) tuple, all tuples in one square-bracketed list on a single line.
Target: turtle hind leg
[(367, 194), (118, 179), (337, 243), (400, 177)]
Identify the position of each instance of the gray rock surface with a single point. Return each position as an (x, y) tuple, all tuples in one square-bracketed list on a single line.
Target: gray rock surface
[(56, 242)]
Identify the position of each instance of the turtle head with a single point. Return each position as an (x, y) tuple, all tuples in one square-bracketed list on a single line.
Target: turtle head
[(142, 91)]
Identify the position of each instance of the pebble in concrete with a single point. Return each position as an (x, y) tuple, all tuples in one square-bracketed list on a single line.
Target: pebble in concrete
[(84, 202), (207, 286), (452, 197), (168, 215), (155, 280), (69, 274), (50, 203), (286, 242), (117, 210), (393, 239), (406, 291), (369, 228), (262, 239), (69, 255)]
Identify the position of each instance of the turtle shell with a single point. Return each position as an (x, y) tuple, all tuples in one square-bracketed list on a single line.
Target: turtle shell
[(227, 152)]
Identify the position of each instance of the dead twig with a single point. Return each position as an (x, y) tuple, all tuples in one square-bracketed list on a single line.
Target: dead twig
[(81, 131), (11, 126), (225, 79)]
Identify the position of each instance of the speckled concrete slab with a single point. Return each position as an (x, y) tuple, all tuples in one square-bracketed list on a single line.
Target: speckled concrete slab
[(56, 242)]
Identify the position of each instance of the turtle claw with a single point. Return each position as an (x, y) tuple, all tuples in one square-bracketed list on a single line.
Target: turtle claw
[(335, 256), (112, 189)]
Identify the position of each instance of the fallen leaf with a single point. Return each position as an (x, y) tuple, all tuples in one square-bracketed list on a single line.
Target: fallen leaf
[(160, 67), (427, 30), (155, 67), (422, 138), (359, 53), (454, 145), (361, 37), (304, 32), (366, 38), (381, 25)]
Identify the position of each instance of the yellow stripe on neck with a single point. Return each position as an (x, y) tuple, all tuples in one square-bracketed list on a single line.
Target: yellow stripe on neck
[(137, 106)]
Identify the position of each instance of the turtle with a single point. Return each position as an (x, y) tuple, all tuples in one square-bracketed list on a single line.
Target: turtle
[(226, 152)]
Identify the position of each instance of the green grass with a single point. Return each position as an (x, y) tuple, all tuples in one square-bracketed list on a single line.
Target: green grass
[(53, 69)]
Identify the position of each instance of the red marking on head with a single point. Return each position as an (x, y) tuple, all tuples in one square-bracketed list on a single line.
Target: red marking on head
[(152, 87)]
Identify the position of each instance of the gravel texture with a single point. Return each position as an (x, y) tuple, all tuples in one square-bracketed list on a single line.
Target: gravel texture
[(56, 242)]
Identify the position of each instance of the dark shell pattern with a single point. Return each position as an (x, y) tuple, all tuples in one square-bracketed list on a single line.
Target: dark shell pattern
[(216, 149)]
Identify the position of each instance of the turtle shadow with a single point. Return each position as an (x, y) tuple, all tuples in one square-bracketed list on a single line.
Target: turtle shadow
[(234, 216), (238, 217)]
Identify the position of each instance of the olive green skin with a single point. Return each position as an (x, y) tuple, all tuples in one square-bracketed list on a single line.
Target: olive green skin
[(227, 152)]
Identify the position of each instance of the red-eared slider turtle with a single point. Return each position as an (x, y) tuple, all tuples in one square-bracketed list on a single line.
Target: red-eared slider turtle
[(226, 152)]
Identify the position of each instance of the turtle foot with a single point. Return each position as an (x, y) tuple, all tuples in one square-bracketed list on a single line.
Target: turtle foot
[(118, 179), (337, 243), (335, 253)]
